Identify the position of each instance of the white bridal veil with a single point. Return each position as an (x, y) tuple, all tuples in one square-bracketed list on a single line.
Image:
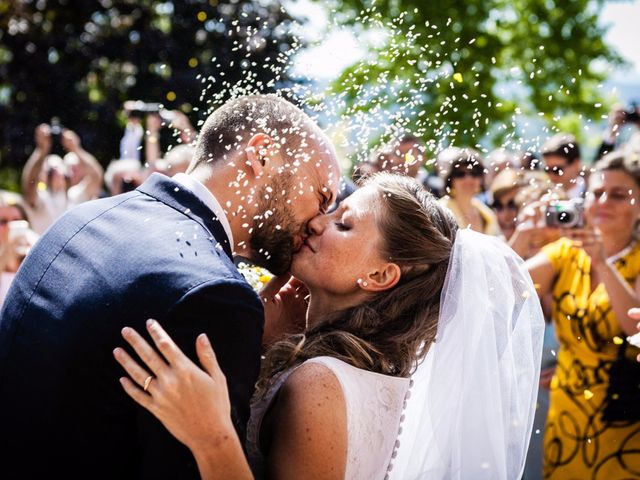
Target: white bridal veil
[(472, 403)]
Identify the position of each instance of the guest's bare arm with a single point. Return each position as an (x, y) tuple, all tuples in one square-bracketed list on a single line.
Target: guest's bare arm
[(92, 181), (193, 404), (542, 273), (622, 296), (309, 438), (33, 167), (152, 139)]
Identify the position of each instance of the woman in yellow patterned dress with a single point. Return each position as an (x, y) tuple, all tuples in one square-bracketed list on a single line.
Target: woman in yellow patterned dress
[(593, 275)]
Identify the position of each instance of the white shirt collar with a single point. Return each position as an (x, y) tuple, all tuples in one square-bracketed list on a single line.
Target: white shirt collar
[(199, 190)]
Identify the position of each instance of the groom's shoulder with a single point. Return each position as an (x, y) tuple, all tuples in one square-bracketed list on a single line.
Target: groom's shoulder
[(139, 234)]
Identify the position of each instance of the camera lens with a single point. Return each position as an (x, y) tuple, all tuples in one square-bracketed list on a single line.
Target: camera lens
[(565, 218)]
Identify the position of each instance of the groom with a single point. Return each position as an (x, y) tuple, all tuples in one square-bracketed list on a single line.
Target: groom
[(262, 169)]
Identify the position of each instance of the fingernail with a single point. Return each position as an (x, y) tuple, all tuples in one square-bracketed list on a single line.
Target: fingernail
[(117, 352), (150, 323), (125, 331), (204, 340)]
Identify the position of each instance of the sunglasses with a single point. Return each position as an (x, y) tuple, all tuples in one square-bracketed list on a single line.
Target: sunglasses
[(473, 172), (498, 207), (554, 170)]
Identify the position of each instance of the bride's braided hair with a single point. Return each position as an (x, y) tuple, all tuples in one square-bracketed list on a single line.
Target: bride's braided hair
[(385, 334)]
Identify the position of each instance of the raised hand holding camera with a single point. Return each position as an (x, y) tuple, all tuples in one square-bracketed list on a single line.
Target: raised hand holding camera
[(43, 138), (70, 140)]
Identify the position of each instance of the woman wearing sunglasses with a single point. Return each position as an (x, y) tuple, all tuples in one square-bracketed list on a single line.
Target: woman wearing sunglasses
[(463, 172)]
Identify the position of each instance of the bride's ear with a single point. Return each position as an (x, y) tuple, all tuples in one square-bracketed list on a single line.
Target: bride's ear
[(259, 150), (382, 279)]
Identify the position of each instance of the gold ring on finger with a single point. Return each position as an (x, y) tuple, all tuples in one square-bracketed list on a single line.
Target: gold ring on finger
[(147, 382)]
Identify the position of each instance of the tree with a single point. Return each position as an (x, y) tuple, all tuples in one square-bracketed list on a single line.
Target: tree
[(79, 60), (456, 70)]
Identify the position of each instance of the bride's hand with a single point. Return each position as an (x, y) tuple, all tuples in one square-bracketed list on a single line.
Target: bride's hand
[(285, 308), (193, 404)]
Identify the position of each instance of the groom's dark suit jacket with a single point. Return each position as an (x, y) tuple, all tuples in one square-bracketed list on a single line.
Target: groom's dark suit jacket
[(157, 252)]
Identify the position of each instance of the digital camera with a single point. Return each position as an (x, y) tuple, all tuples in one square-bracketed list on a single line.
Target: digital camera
[(140, 109), (566, 214), (56, 127)]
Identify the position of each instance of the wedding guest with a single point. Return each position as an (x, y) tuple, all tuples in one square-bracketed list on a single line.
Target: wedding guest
[(406, 155), (618, 118), (123, 176), (532, 199), (16, 239), (463, 172), (46, 181), (176, 159), (502, 192), (384, 160), (499, 160), (364, 169), (593, 274), (530, 234), (131, 141), (529, 161), (412, 151), (11, 209), (561, 156)]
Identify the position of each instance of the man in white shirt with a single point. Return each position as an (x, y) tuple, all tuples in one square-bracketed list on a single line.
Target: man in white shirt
[(561, 155)]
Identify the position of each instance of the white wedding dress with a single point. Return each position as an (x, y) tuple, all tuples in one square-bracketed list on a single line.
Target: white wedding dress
[(469, 411), (374, 404)]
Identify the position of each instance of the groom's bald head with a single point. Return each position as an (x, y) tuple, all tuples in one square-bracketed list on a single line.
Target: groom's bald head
[(228, 129)]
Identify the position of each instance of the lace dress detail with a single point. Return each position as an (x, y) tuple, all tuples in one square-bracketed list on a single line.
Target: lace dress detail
[(374, 404)]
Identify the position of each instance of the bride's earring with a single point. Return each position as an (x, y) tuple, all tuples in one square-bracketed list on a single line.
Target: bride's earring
[(362, 283)]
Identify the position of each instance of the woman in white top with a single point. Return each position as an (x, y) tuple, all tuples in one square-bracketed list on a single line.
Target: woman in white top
[(330, 403)]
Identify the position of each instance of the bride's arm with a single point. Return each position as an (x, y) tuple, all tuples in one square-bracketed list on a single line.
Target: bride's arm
[(309, 437), (193, 404)]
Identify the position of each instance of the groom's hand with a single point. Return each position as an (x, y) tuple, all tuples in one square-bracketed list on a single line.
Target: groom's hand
[(285, 308)]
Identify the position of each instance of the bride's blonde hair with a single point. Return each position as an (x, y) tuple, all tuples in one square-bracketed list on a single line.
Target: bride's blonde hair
[(387, 333)]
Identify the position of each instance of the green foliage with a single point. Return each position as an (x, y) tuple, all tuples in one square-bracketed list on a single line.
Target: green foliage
[(79, 60), (457, 70), (10, 179)]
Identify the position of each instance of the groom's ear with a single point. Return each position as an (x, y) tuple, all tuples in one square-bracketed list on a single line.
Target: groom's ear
[(259, 150), (382, 279)]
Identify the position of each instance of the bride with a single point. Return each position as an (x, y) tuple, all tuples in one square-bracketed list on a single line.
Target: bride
[(420, 358)]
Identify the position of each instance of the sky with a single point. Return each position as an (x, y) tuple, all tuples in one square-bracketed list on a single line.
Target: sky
[(624, 35)]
